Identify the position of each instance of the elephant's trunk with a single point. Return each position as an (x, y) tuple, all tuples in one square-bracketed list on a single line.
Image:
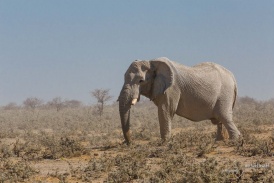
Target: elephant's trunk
[(129, 96), (125, 121), (124, 109)]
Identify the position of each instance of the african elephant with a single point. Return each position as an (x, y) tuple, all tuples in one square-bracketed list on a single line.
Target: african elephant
[(204, 91)]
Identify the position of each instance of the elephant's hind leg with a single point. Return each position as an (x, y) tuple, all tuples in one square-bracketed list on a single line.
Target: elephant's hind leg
[(221, 132), (224, 114), (232, 130)]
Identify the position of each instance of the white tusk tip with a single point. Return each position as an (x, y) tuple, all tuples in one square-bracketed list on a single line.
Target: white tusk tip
[(134, 101)]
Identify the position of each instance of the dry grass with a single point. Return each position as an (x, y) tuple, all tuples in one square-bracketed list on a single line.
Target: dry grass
[(76, 145)]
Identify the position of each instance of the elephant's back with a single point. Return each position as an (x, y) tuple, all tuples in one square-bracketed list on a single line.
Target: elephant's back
[(211, 66), (207, 67)]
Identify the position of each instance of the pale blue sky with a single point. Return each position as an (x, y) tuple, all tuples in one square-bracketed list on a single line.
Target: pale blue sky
[(69, 47)]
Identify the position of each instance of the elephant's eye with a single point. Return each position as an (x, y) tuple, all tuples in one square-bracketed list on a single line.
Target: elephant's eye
[(141, 81)]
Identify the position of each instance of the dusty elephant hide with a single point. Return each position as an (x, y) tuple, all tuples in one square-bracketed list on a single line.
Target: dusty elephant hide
[(204, 91)]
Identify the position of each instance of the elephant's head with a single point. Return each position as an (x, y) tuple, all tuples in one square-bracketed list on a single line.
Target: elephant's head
[(148, 78)]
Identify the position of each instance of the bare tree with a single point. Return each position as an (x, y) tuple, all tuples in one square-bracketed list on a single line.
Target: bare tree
[(32, 103), (11, 106), (102, 96), (57, 103)]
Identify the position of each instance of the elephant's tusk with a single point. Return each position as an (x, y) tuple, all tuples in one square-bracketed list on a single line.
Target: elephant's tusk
[(134, 101)]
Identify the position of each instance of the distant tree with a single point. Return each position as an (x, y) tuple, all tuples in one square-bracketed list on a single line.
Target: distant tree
[(102, 96), (73, 103), (259, 105), (32, 103), (270, 102), (248, 100), (57, 103), (11, 106)]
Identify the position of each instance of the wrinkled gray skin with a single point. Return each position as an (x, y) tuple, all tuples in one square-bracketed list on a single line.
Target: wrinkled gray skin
[(204, 91)]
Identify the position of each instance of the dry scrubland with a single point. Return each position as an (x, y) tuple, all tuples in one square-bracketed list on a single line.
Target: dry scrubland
[(76, 145)]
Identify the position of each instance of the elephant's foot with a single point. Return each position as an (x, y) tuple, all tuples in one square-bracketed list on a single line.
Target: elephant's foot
[(125, 142), (219, 138), (237, 142), (162, 142), (165, 134), (234, 134)]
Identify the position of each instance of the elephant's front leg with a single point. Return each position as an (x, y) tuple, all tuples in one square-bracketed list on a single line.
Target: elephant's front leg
[(165, 118)]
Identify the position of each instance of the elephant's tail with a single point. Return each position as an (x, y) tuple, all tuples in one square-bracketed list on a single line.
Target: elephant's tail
[(235, 92)]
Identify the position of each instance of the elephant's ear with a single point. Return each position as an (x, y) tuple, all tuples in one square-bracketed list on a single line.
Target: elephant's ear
[(163, 76)]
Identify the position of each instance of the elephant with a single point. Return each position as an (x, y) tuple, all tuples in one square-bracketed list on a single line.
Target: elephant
[(206, 91)]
